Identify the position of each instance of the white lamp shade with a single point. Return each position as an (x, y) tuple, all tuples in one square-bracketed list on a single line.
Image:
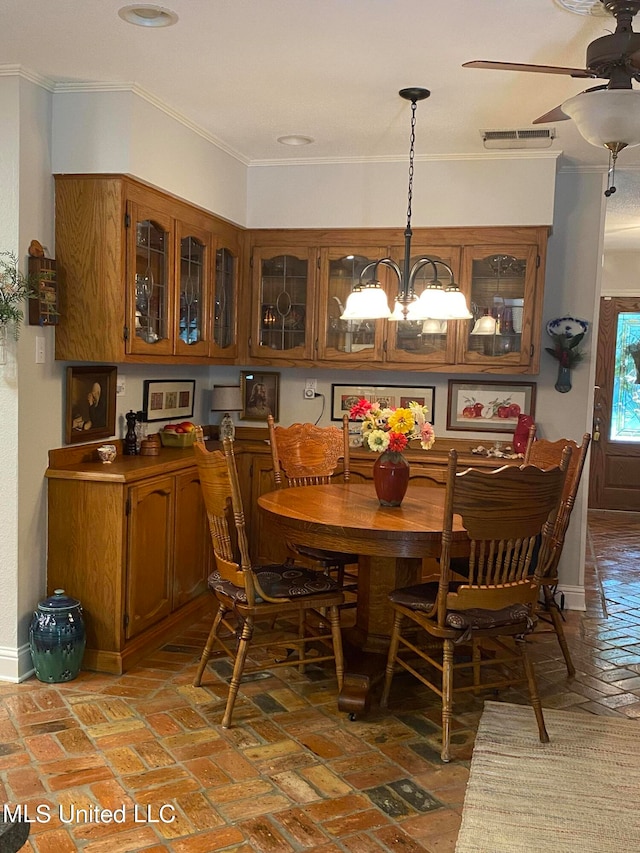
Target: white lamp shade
[(434, 327), (456, 305), (610, 115), (369, 303), (485, 326), (430, 305), (226, 398)]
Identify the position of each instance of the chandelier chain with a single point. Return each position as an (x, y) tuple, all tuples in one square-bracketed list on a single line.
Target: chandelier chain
[(412, 141)]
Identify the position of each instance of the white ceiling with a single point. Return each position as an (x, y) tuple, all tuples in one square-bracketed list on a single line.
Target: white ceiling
[(249, 71)]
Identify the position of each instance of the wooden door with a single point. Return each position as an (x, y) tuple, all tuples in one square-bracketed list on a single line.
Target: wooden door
[(192, 551), (150, 553), (614, 479)]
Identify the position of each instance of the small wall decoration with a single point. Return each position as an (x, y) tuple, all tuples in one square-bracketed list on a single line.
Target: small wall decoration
[(489, 406), (91, 403), (260, 395), (567, 334), (343, 397), (43, 305), (167, 399)]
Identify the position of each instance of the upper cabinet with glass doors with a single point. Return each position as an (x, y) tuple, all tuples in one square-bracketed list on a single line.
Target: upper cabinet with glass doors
[(144, 276), (504, 301), (150, 279), (283, 321), (299, 295), (345, 340)]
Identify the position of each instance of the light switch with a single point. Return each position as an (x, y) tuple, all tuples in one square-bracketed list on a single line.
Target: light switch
[(41, 355)]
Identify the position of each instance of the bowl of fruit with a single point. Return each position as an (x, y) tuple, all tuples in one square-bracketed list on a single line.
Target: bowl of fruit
[(178, 435)]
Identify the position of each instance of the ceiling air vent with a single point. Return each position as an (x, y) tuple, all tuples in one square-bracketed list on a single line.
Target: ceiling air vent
[(538, 137)]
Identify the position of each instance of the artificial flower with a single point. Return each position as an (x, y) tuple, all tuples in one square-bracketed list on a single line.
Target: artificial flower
[(391, 429)]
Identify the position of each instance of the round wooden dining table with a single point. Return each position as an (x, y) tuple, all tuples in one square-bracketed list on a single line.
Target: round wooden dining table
[(392, 543)]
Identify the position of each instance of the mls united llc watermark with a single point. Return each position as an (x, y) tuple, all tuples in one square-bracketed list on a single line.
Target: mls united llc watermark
[(44, 813)]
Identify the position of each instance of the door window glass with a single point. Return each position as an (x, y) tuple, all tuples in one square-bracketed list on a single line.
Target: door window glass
[(625, 420)]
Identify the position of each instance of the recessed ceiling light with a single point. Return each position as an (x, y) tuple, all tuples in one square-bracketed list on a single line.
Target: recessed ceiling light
[(295, 139), (148, 16)]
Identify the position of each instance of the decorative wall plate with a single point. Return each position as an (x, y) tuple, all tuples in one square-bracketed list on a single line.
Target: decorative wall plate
[(569, 327)]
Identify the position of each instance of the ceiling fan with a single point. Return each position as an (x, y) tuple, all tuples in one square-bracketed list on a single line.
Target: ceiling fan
[(609, 114)]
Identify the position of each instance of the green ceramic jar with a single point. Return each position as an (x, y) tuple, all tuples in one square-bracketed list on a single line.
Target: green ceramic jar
[(57, 638)]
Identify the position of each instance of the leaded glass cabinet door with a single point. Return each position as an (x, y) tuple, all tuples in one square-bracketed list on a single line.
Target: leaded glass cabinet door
[(346, 340), (283, 322), (500, 283), (428, 341), (192, 280), (224, 338), (150, 279)]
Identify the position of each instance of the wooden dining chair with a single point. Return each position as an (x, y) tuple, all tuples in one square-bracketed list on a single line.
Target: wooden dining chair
[(545, 454), (308, 455), (277, 594), (503, 511)]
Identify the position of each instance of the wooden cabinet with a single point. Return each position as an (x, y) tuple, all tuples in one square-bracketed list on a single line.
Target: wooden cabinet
[(500, 271), (130, 540), (150, 508), (283, 319), (143, 277)]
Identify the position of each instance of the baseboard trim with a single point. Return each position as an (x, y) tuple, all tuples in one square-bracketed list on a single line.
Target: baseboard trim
[(574, 598), (16, 664)]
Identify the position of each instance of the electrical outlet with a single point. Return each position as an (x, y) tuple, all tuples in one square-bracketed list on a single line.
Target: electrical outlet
[(310, 386), (41, 354)]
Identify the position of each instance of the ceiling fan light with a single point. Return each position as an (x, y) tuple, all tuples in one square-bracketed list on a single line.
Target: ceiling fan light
[(606, 116)]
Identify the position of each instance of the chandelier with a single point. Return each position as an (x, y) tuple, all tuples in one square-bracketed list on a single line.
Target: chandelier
[(368, 301)]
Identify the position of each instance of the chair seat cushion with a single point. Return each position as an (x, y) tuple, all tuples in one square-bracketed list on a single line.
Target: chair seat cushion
[(278, 581), (330, 558), (422, 597)]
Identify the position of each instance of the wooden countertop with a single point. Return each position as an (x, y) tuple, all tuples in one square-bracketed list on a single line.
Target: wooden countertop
[(81, 462)]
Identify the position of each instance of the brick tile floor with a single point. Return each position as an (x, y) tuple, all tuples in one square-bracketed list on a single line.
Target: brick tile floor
[(292, 774)]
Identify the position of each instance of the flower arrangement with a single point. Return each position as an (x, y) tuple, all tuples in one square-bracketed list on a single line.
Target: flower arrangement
[(565, 349), (15, 289), (391, 430)]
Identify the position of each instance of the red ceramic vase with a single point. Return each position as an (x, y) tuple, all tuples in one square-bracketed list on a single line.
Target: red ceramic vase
[(390, 478), (521, 434)]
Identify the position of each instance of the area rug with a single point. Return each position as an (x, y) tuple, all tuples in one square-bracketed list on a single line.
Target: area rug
[(577, 794)]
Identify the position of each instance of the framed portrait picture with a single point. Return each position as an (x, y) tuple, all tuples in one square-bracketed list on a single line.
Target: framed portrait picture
[(260, 395), (91, 403), (165, 400), (343, 397), (489, 406)]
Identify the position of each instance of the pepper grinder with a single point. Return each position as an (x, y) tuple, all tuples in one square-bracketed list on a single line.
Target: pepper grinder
[(130, 439)]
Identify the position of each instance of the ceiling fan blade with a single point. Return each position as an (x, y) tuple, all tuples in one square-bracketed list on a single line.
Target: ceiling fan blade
[(556, 114), (521, 66)]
